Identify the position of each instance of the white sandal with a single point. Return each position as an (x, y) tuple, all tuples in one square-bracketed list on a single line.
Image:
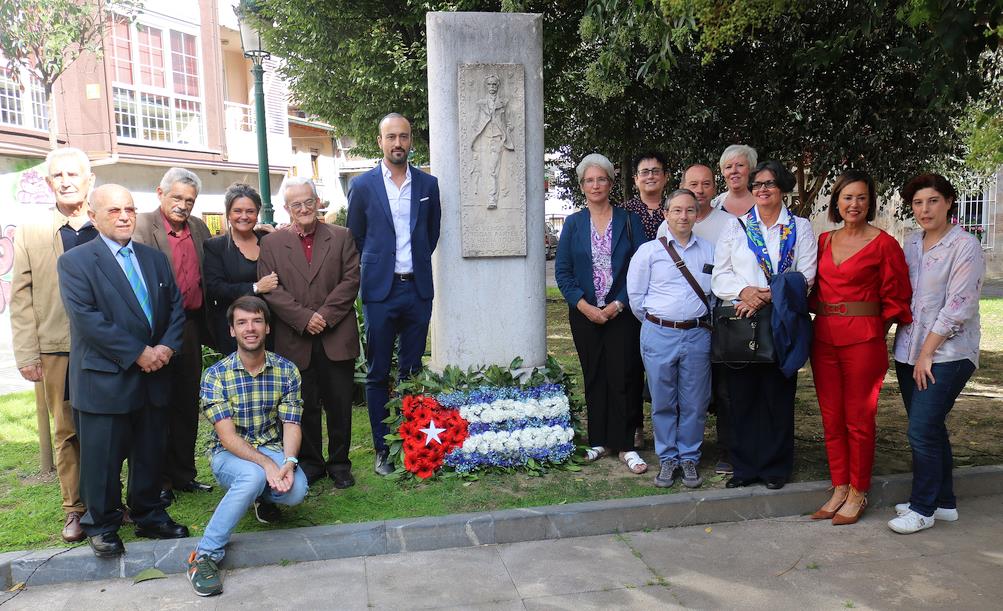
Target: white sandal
[(595, 453), (634, 461)]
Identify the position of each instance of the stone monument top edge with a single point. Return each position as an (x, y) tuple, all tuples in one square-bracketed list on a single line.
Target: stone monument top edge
[(477, 16)]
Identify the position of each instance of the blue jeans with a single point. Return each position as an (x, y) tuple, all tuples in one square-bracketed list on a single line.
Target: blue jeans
[(244, 482), (677, 362), (932, 482)]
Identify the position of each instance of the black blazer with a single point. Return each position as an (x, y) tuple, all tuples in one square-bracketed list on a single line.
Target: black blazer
[(228, 274), (108, 329)]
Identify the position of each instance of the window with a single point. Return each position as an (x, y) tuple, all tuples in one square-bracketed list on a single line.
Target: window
[(977, 214), (28, 108), (314, 164), (157, 85)]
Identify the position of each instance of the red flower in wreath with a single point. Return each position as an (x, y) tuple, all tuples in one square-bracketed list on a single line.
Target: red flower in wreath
[(428, 433)]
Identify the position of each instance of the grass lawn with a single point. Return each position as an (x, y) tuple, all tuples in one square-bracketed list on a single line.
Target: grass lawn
[(30, 515)]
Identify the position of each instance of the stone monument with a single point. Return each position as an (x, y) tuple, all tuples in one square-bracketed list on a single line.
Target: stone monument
[(485, 102)]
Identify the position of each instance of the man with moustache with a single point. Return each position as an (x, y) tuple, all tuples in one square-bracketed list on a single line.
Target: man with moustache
[(393, 213), (668, 285), (172, 230), (126, 322), (37, 318), (252, 399), (315, 324)]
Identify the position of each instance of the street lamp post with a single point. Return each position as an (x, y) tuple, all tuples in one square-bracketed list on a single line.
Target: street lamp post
[(254, 49)]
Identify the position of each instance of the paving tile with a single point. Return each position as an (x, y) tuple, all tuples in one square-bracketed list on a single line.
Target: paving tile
[(442, 578), (172, 592), (568, 566), (649, 597), (325, 584)]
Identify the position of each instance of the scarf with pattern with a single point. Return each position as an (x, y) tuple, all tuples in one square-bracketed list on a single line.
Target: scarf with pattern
[(788, 238)]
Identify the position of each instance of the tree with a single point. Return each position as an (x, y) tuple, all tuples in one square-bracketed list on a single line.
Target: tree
[(44, 37)]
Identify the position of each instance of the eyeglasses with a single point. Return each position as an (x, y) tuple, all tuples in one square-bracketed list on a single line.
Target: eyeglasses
[(306, 204), (602, 180), (646, 172), (766, 184)]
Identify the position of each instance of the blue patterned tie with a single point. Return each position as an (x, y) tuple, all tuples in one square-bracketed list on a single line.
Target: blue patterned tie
[(137, 284)]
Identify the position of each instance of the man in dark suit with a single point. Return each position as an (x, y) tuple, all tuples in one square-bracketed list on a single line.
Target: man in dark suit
[(393, 213), (125, 326), (315, 328), (173, 231)]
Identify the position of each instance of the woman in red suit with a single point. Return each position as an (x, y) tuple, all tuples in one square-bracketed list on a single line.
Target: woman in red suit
[(862, 287)]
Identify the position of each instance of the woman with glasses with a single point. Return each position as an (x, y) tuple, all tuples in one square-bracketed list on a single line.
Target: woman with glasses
[(936, 354), (862, 287), (755, 247), (591, 269), (231, 263), (650, 178), (736, 162)]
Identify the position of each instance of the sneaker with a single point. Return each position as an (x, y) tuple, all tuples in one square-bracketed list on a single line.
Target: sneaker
[(724, 468), (941, 513), (204, 575), (266, 512), (691, 479), (665, 477), (910, 523)]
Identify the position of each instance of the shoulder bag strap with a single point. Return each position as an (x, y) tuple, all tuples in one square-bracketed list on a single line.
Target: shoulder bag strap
[(685, 271)]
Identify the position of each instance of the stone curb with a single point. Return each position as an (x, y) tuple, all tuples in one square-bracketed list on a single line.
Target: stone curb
[(57, 565)]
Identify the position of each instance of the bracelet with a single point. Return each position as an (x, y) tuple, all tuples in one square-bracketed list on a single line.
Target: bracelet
[(254, 287), (619, 306)]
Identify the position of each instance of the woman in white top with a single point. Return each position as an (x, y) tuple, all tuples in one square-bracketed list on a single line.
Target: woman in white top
[(762, 398), (736, 162), (936, 354)]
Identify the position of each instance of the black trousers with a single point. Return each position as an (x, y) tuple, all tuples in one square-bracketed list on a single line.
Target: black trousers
[(610, 355), (106, 441), (332, 383), (761, 411), (719, 405), (183, 414)]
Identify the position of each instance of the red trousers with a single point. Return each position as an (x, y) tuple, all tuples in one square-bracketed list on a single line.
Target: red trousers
[(847, 382)]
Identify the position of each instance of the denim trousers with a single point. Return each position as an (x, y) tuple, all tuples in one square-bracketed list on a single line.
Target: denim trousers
[(932, 462), (244, 482)]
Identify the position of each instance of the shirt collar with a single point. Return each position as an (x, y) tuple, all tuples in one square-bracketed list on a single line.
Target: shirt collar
[(269, 362), (784, 218), (689, 243), (386, 171), (115, 246), (170, 230), (61, 219)]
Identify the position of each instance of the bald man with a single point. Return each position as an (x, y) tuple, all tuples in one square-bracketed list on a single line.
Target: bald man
[(126, 320)]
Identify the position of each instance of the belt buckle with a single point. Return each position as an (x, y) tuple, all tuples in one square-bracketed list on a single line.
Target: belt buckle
[(837, 309)]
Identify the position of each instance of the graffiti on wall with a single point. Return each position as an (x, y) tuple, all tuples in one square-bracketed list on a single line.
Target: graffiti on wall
[(22, 191)]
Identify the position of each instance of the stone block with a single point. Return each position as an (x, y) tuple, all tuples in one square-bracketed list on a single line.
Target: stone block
[(419, 534)]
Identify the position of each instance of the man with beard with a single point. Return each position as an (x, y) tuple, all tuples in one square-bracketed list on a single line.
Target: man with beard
[(172, 230), (393, 213), (252, 398)]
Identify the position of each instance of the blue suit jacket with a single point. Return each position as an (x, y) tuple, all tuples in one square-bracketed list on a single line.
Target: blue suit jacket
[(790, 322), (573, 268), (372, 226), (108, 329)]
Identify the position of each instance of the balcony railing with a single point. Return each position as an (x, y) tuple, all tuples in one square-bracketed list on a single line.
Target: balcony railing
[(239, 117)]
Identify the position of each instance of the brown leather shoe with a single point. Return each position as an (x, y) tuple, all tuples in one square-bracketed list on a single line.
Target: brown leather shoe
[(71, 528), (841, 519)]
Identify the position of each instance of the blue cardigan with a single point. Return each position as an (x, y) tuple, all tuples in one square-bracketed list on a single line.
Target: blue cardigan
[(573, 268)]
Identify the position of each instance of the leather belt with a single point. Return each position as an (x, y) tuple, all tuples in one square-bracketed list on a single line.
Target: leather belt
[(849, 308), (683, 324), (404, 277)]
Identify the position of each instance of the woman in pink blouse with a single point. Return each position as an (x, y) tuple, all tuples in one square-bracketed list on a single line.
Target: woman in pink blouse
[(936, 354)]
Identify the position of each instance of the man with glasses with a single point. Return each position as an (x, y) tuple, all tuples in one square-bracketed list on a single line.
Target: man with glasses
[(173, 230), (315, 325), (393, 212)]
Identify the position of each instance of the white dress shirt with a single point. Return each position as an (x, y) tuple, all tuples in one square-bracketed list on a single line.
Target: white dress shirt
[(400, 210), (656, 286), (736, 266)]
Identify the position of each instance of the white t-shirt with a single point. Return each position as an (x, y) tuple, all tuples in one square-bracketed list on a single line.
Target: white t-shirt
[(710, 228)]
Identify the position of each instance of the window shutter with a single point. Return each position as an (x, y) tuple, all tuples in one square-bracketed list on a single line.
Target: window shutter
[(276, 98)]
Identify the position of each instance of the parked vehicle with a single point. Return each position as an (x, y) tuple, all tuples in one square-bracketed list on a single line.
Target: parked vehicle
[(550, 241)]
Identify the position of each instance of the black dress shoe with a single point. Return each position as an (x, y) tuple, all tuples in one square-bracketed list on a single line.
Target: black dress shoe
[(107, 545), (313, 477), (194, 486), (383, 464), (163, 530), (342, 479), (775, 483), (167, 497), (739, 482)]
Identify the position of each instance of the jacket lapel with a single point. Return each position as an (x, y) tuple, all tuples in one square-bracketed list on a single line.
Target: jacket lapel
[(295, 255), (619, 221), (160, 236), (416, 196), (113, 272), (321, 246), (381, 192)]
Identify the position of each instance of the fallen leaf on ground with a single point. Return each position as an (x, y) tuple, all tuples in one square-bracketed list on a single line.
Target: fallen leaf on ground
[(148, 574)]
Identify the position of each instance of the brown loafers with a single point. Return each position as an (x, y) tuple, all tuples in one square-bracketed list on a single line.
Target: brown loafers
[(72, 532)]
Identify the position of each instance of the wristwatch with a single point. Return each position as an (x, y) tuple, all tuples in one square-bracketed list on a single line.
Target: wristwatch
[(619, 306), (254, 288), (292, 459)]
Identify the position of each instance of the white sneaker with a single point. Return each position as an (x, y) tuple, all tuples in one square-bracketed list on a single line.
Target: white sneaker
[(910, 523), (941, 513)]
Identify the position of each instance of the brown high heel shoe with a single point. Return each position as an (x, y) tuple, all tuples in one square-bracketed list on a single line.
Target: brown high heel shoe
[(842, 520), (826, 514)]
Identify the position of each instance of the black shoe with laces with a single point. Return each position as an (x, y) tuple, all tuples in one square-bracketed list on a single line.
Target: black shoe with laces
[(265, 512)]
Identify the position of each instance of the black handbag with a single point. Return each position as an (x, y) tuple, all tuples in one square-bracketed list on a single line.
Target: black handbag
[(738, 341)]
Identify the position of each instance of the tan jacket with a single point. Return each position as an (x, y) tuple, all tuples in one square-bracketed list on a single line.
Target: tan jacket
[(37, 317)]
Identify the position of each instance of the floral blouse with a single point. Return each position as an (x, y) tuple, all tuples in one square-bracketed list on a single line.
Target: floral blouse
[(650, 219), (602, 264), (946, 282)]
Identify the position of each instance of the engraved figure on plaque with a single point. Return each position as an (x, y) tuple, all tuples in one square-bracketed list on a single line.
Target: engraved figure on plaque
[(492, 137)]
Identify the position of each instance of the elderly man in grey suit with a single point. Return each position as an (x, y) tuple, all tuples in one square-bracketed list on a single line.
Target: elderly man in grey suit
[(173, 231)]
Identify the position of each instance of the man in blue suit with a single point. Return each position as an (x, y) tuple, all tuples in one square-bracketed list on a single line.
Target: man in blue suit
[(393, 213), (126, 322)]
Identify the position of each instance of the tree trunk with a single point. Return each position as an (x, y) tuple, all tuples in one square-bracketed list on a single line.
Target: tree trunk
[(50, 102)]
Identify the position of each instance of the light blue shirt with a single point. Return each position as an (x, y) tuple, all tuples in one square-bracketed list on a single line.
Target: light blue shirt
[(115, 247), (657, 287), (400, 210)]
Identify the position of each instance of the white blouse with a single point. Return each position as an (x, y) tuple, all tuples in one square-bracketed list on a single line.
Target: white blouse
[(736, 267)]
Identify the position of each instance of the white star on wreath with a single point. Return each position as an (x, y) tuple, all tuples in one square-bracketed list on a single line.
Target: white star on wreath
[(432, 432)]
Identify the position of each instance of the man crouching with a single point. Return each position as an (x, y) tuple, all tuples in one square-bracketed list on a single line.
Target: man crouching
[(247, 396)]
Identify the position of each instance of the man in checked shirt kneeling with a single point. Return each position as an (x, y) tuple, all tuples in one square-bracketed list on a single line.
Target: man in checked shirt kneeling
[(252, 398)]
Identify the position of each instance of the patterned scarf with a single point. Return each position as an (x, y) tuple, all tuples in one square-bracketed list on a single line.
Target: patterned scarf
[(788, 237)]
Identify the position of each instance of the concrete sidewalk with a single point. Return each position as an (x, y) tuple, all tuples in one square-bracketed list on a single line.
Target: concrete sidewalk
[(780, 563)]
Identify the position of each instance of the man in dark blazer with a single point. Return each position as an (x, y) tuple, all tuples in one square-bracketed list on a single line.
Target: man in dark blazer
[(315, 327), (393, 213), (125, 326), (173, 231)]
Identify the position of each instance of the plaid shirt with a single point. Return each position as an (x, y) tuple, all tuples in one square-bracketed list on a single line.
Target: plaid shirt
[(256, 403)]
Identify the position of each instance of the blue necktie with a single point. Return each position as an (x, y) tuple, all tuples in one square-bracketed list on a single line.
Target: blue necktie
[(137, 284)]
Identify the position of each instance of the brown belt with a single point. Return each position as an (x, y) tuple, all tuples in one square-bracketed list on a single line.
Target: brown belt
[(672, 324), (849, 308)]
